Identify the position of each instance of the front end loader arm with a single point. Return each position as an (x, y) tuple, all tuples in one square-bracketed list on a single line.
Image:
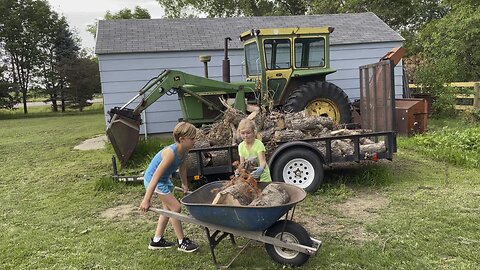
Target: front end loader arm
[(174, 79), (124, 127)]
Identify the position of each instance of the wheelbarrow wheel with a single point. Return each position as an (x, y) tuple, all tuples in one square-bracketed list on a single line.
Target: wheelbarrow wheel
[(292, 233)]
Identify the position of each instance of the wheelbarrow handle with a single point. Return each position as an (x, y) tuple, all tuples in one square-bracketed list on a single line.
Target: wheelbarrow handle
[(181, 189)]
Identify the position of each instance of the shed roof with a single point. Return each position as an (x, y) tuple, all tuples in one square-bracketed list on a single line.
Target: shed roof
[(160, 35)]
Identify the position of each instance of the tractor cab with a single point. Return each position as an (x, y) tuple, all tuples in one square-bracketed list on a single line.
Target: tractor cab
[(282, 59)]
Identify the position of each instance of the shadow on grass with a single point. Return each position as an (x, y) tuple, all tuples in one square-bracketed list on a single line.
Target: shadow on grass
[(358, 175)]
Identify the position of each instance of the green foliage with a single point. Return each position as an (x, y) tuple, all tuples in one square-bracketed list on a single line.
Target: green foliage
[(25, 30), (8, 92), (449, 45), (459, 146), (404, 14), (61, 48), (398, 14), (472, 116), (126, 13), (83, 78)]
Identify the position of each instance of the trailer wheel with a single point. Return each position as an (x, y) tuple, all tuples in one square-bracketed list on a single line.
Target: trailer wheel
[(319, 98), (292, 233), (299, 167)]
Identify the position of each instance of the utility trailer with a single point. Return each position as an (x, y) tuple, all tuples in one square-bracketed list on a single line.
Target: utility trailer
[(299, 162)]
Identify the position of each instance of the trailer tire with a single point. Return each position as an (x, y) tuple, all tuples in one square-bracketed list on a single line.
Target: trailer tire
[(292, 233), (320, 98), (300, 167)]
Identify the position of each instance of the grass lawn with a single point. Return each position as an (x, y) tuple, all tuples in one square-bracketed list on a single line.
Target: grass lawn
[(59, 210)]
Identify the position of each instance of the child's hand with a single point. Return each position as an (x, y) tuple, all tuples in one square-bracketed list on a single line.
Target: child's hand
[(145, 205), (257, 172), (185, 188)]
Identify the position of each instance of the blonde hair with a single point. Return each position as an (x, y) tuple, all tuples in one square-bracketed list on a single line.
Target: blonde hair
[(246, 124), (185, 130)]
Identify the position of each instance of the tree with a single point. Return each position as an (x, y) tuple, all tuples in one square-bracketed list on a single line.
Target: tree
[(450, 44), (126, 13), (8, 92), (398, 14), (83, 78), (60, 47), (24, 26), (223, 8), (447, 51)]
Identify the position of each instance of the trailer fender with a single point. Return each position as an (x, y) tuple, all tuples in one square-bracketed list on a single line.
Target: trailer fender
[(298, 163)]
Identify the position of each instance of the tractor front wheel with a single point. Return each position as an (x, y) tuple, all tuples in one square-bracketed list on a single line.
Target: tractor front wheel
[(320, 98)]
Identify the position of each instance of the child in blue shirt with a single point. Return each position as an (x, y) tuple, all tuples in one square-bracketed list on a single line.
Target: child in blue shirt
[(157, 180)]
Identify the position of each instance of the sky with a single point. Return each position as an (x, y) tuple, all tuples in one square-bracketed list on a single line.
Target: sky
[(80, 13)]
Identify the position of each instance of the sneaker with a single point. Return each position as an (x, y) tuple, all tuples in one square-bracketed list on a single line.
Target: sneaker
[(161, 244), (187, 245)]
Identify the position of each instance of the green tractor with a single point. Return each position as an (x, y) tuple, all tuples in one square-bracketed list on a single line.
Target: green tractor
[(285, 68)]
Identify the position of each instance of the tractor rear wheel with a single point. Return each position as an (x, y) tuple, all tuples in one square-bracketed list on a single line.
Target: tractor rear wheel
[(320, 98)]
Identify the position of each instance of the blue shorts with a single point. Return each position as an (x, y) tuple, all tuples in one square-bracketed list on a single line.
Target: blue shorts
[(162, 188)]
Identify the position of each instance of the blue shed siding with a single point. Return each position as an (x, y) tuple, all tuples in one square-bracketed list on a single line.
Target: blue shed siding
[(122, 75)]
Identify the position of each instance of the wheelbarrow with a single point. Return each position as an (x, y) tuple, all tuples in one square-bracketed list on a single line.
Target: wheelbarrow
[(286, 241)]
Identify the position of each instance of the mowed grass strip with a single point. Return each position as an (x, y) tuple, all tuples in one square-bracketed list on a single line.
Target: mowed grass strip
[(57, 204)]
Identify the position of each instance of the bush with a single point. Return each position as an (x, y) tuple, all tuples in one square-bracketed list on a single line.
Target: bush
[(456, 146), (472, 116)]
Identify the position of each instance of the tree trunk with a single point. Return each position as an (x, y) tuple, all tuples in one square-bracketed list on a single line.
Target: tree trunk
[(272, 195), (241, 193), (298, 121), (373, 147), (288, 135), (24, 99), (54, 103)]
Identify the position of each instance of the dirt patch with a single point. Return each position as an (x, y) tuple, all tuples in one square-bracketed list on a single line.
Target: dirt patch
[(98, 142), (348, 219), (363, 207), (120, 212)]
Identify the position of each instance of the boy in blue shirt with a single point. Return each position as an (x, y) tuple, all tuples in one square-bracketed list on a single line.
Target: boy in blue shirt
[(157, 180)]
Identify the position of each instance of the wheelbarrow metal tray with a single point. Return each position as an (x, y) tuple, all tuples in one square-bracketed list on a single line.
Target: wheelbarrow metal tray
[(251, 218)]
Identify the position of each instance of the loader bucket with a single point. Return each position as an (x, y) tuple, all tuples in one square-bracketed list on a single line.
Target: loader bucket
[(123, 133)]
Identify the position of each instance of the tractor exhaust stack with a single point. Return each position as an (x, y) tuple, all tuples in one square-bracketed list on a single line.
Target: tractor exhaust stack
[(226, 62)]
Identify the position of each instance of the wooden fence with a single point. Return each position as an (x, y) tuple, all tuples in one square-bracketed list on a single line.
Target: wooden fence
[(463, 101)]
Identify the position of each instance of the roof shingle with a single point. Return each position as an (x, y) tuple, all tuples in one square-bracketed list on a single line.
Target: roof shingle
[(159, 35)]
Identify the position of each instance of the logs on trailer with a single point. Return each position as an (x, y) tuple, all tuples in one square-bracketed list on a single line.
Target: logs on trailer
[(273, 127)]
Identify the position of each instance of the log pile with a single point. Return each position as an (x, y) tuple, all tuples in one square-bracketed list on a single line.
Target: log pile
[(274, 127)]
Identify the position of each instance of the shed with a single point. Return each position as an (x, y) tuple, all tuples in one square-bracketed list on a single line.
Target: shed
[(131, 52)]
